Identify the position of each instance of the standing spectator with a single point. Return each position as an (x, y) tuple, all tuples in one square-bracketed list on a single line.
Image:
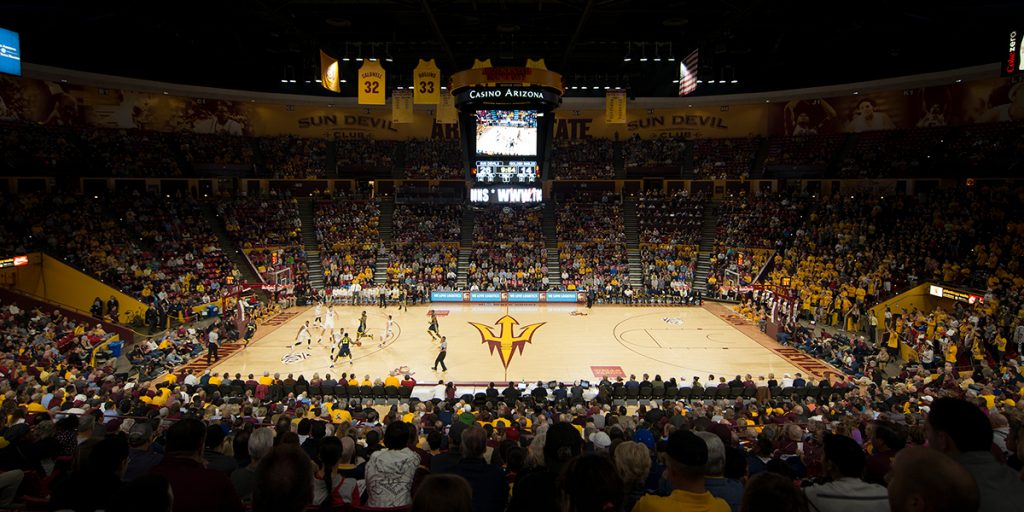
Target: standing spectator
[(390, 472), (212, 347), (844, 464), (960, 430)]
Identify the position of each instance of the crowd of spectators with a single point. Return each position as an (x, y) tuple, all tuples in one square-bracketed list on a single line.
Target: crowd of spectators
[(294, 157), (508, 249), (887, 154), (356, 156), (591, 241), (807, 151), (670, 218), (425, 246), (582, 159), (210, 150), (262, 221), (724, 158), (120, 152), (40, 148), (348, 234), (667, 268), (433, 159), (663, 153)]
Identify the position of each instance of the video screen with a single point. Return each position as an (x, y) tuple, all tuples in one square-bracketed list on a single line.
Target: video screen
[(10, 53), (506, 133)]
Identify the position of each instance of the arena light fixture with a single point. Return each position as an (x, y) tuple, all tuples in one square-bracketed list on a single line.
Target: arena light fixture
[(643, 52), (700, 81), (387, 53), (629, 49), (734, 81), (345, 58), (711, 81), (657, 54), (671, 54), (359, 56)]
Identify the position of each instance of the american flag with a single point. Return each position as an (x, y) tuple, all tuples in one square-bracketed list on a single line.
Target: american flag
[(688, 74)]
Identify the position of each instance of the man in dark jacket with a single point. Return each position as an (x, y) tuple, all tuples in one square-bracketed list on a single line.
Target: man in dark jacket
[(490, 490)]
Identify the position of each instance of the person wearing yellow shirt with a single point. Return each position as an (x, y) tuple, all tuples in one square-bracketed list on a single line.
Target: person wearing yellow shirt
[(215, 380), (266, 379), (340, 415), (951, 351), (391, 381), (687, 455), (353, 382)]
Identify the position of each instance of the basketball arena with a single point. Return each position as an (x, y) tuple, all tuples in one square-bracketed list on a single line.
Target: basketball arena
[(511, 256)]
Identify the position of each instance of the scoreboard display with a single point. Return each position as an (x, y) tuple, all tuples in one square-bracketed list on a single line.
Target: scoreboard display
[(506, 171)]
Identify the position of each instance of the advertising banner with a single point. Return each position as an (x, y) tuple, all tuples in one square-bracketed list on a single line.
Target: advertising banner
[(503, 297)]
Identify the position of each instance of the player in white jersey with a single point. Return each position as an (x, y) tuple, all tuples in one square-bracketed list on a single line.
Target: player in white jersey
[(318, 315), (303, 335), (387, 330)]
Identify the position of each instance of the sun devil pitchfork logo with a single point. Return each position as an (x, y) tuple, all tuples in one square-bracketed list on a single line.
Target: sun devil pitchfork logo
[(506, 341)]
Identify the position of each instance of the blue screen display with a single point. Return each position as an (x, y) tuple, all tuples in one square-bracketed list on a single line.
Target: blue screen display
[(10, 53)]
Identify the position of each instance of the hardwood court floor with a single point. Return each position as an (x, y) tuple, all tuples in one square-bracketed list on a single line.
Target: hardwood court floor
[(673, 342)]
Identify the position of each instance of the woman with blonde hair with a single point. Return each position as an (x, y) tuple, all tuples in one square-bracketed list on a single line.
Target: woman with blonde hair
[(633, 462)]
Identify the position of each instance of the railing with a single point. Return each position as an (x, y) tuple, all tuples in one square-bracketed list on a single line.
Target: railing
[(35, 302)]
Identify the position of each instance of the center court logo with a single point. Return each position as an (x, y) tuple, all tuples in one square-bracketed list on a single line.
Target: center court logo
[(294, 358), (506, 341)]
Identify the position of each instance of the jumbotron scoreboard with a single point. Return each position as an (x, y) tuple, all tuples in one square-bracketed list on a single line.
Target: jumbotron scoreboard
[(506, 117)]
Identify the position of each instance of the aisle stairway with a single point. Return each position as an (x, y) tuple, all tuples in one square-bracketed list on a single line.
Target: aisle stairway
[(706, 248), (631, 224), (227, 245), (618, 160), (548, 226), (309, 244), (465, 247), (385, 227)]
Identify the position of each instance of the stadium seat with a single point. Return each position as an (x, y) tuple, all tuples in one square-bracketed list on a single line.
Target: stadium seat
[(366, 392), (684, 393), (787, 392), (391, 393), (749, 392), (288, 389), (379, 393), (775, 391), (341, 391), (668, 393), (710, 393), (300, 389), (404, 392), (619, 395), (646, 392), (735, 392), (468, 398), (316, 391), (632, 395)]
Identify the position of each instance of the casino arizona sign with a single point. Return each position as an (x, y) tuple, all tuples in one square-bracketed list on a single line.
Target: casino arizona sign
[(507, 93)]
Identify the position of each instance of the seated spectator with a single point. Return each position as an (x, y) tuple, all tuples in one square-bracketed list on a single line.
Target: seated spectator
[(844, 464), (925, 479), (390, 472), (687, 457), (284, 481)]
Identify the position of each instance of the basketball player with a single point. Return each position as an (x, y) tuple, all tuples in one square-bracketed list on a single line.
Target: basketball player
[(361, 330), (303, 335), (318, 316), (328, 324), (387, 331), (344, 349), (250, 331), (403, 300), (433, 330)]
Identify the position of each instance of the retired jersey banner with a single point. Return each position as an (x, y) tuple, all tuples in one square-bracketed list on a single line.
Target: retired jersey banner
[(401, 107), (426, 80), (615, 107), (330, 77), (371, 83), (446, 113)]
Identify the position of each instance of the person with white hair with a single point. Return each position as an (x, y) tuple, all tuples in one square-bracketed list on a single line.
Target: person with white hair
[(714, 473), (261, 442)]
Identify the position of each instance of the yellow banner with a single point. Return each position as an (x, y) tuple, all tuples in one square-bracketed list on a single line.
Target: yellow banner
[(426, 80), (401, 107), (371, 83), (329, 77), (615, 107)]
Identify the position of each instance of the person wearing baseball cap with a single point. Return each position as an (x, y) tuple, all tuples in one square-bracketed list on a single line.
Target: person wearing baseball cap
[(687, 456)]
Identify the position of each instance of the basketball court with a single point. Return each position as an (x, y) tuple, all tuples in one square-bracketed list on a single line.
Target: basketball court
[(530, 342)]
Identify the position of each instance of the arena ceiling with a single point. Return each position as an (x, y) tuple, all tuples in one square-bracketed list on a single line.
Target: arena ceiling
[(763, 45)]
